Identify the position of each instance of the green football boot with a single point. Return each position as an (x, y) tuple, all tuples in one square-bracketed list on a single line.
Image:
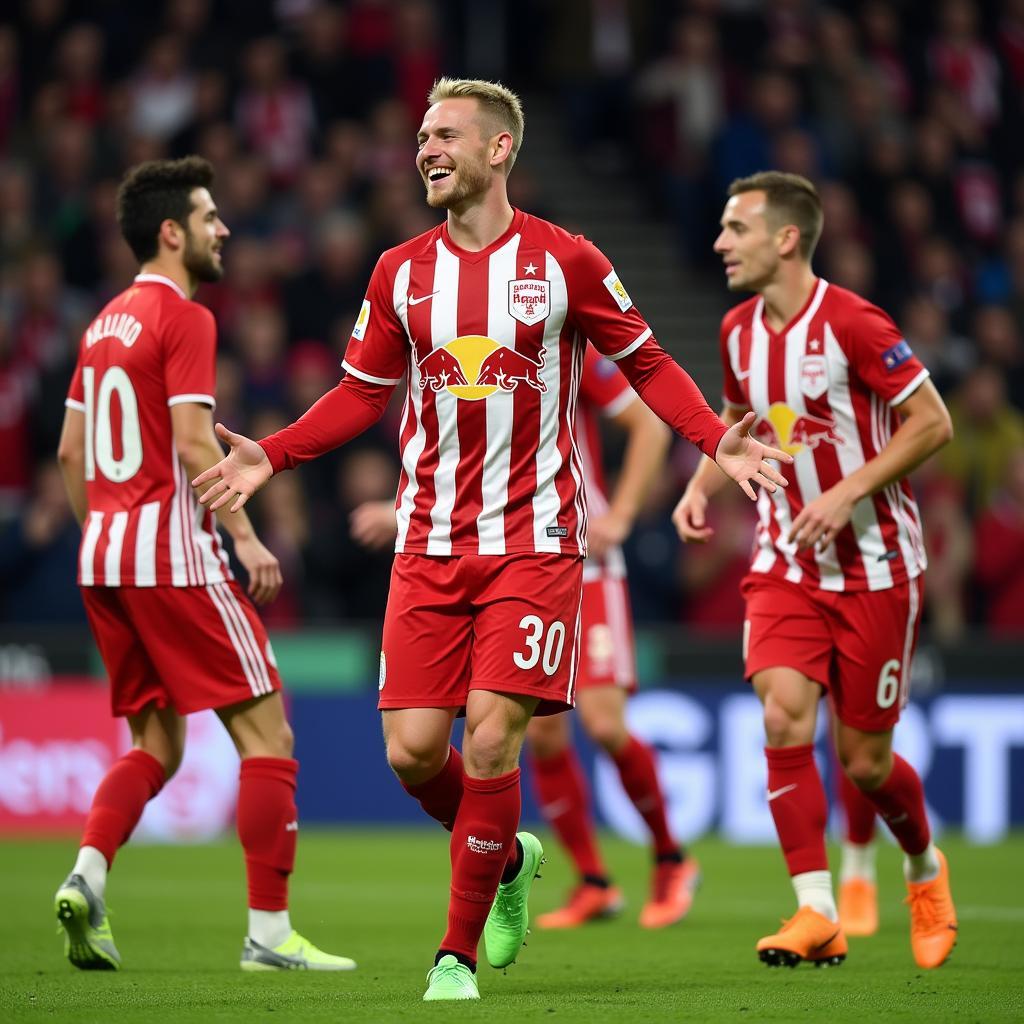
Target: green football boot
[(294, 954), (450, 979), (509, 919), (88, 942)]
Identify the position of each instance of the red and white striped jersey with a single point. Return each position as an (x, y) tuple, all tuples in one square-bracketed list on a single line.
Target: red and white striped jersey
[(603, 392), (493, 343), (824, 389), (149, 349)]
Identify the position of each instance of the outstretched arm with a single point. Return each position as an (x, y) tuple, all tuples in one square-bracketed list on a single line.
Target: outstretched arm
[(337, 417)]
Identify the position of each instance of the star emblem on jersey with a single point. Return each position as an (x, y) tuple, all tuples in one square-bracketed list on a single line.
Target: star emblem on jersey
[(529, 269), (529, 301), (475, 367)]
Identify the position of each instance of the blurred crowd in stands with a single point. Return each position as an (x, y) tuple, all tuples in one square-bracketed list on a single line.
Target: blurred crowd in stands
[(907, 114)]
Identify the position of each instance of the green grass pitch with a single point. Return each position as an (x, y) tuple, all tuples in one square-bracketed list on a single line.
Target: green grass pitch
[(380, 897)]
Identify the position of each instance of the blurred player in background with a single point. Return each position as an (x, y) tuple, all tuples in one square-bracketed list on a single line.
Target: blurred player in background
[(488, 315), (834, 590), (175, 630), (607, 672)]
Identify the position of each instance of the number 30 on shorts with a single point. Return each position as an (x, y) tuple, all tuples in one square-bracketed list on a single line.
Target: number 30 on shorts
[(553, 645)]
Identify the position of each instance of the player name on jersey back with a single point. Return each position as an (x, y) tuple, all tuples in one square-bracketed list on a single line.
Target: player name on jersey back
[(144, 526)]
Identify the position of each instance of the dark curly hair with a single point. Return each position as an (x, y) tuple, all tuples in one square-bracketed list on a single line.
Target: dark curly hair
[(156, 191)]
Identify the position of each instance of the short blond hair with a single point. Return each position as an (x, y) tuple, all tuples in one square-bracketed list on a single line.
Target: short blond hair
[(499, 102), (790, 199)]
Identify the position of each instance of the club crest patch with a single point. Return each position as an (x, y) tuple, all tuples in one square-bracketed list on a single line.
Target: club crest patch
[(813, 376), (529, 301)]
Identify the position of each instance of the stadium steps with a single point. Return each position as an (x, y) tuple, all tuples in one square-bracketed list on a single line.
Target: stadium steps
[(682, 312)]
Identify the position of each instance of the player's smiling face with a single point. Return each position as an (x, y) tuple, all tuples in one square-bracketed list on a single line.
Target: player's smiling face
[(746, 243), (204, 238), (452, 154)]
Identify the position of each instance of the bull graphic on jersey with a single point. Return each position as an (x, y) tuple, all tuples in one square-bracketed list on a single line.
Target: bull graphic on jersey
[(793, 432), (475, 367)]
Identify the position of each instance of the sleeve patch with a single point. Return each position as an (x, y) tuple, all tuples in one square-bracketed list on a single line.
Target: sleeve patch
[(362, 321), (896, 355), (617, 292)]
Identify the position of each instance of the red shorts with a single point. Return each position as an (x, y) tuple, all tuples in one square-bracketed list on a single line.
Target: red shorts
[(607, 657), (857, 645), (188, 648), (505, 623)]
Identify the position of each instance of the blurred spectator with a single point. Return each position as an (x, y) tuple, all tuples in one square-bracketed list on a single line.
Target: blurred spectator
[(987, 433), (964, 63), (275, 113), (999, 553), (38, 556), (260, 339), (79, 61), (17, 390), (10, 85), (164, 91), (997, 336), (947, 355)]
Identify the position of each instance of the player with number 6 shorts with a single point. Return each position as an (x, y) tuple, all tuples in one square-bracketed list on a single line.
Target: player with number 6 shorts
[(833, 596)]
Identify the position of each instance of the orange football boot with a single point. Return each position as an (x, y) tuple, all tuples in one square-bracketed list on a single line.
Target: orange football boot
[(858, 906), (807, 935), (672, 891), (586, 903), (932, 918)]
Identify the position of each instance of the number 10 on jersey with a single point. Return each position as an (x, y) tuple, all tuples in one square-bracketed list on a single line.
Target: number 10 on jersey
[(99, 439)]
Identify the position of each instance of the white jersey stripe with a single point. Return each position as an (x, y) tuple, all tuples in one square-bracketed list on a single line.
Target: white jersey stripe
[(368, 377), (245, 631), (414, 449), (575, 461), (201, 399), (214, 590), (910, 388), (501, 327), (574, 664), (145, 544), (115, 542), (87, 552), (546, 502), (444, 325)]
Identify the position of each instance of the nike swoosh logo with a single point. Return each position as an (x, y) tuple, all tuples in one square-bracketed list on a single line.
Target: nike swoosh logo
[(775, 793), (422, 298)]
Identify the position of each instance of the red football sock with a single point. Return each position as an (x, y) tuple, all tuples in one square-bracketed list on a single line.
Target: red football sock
[(797, 801), (859, 810), (268, 828), (638, 771), (564, 801), (440, 796), (130, 783), (482, 841), (900, 802)]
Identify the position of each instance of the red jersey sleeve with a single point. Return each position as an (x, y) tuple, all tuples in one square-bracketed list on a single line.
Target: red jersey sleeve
[(600, 306), (190, 355), (378, 350), (880, 355), (603, 387), (732, 393)]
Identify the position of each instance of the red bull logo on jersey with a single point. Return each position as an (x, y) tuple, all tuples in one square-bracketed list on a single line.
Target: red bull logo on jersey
[(794, 432), (476, 367), (529, 301)]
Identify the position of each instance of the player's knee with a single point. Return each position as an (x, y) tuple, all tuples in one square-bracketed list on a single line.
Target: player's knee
[(489, 750), (413, 763), (544, 739), (782, 725), (866, 771), (608, 732), (283, 739)]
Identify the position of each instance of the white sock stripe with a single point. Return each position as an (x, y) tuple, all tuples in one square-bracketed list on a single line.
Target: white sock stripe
[(229, 626), (245, 628)]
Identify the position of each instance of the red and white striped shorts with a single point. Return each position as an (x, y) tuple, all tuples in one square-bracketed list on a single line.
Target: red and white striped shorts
[(188, 648)]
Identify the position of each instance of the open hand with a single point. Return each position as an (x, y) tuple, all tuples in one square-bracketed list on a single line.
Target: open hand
[(743, 458), (240, 474)]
